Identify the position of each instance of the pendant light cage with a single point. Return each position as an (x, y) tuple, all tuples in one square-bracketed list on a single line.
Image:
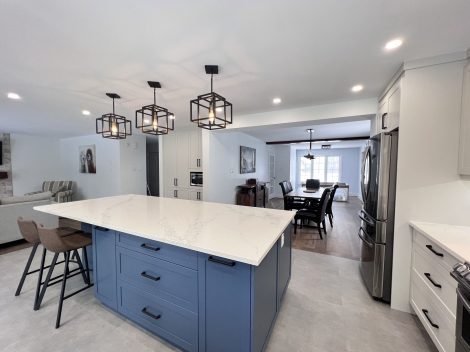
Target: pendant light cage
[(113, 126), (211, 111), (154, 119)]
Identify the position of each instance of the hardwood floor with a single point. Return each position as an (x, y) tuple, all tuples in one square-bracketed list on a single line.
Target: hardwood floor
[(341, 240)]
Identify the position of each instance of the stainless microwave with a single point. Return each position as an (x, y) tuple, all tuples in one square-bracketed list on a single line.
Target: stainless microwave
[(195, 178)]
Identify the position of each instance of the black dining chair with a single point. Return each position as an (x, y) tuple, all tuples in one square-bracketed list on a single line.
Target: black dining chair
[(329, 205), (291, 202), (312, 183), (314, 213)]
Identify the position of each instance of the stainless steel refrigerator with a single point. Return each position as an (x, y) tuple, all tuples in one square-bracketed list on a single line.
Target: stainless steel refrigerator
[(378, 185)]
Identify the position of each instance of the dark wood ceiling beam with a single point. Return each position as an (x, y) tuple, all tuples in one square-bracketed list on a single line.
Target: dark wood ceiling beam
[(326, 140)]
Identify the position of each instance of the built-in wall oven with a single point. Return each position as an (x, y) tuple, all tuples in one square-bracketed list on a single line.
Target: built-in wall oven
[(462, 331), (195, 178)]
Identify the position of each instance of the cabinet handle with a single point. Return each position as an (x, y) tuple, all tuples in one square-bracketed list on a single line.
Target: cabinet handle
[(153, 316), (149, 247), (197, 162), (428, 246), (428, 276), (147, 276), (426, 312), (221, 261), (384, 127), (176, 180), (99, 228), (175, 193)]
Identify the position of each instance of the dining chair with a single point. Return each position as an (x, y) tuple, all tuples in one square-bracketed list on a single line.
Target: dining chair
[(291, 202), (314, 213), (329, 205), (312, 183)]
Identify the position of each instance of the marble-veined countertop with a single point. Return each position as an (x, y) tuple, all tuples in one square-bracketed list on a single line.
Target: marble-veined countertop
[(239, 233)]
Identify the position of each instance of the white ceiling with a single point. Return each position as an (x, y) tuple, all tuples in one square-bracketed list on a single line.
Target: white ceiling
[(276, 133), (62, 56)]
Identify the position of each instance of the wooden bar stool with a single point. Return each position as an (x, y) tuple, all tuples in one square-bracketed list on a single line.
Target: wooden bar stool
[(54, 242), (29, 231)]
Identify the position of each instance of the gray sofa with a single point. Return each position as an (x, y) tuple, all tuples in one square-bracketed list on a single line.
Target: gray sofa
[(13, 207), (61, 190)]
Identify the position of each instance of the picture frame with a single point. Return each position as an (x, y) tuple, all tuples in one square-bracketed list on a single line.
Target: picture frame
[(87, 159), (247, 160)]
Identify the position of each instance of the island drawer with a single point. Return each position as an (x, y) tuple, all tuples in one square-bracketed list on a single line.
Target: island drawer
[(160, 317), (159, 250), (172, 282), (434, 251)]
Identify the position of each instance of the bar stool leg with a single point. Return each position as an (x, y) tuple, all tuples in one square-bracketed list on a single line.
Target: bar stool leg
[(87, 268), (26, 269), (38, 286), (46, 282), (62, 290), (80, 265)]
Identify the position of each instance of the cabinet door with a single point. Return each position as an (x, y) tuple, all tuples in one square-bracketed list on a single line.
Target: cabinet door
[(195, 161), (182, 160), (169, 164), (393, 116), (180, 193), (195, 195), (104, 266), (464, 153), (382, 117)]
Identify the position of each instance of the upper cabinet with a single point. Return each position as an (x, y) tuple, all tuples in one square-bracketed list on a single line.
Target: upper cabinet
[(388, 113), (195, 150), (464, 152)]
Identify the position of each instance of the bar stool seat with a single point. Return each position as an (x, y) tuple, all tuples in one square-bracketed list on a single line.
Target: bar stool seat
[(29, 231), (54, 242)]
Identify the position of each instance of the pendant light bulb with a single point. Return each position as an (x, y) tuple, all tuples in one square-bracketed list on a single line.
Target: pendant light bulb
[(114, 128), (211, 115), (154, 120)]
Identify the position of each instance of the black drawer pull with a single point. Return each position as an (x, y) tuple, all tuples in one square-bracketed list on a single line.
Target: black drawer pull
[(221, 261), (147, 276), (153, 316), (147, 246), (428, 246), (99, 228), (428, 276), (425, 311)]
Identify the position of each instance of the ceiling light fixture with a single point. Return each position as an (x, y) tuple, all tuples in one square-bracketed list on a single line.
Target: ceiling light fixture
[(393, 44), (154, 119), (357, 88), (86, 112), (13, 96), (113, 126), (277, 101), (211, 111), (310, 155)]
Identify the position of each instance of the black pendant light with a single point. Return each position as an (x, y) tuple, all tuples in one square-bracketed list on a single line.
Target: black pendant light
[(310, 155), (211, 111), (154, 119), (113, 126)]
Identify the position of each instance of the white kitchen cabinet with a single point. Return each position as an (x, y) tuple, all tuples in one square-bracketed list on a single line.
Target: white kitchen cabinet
[(195, 150), (388, 112), (195, 195), (464, 149), (179, 159)]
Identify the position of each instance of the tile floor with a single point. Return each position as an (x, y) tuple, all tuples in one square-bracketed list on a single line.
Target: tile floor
[(326, 308)]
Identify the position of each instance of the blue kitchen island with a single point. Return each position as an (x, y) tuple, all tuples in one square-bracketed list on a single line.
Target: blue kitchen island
[(203, 276)]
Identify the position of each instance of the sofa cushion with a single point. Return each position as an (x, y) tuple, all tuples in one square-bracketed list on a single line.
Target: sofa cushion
[(29, 198), (54, 186)]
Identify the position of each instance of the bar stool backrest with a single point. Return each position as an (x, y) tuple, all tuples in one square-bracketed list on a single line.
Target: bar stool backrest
[(51, 240), (29, 230)]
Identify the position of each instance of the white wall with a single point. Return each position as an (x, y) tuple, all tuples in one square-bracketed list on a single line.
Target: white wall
[(221, 166), (282, 154), (120, 166), (34, 159), (428, 186)]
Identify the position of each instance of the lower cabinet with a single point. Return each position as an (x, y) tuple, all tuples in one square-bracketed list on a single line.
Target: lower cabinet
[(196, 301)]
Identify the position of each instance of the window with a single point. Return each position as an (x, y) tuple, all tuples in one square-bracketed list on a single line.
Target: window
[(324, 168)]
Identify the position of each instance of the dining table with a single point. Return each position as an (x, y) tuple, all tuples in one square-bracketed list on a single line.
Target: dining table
[(307, 193)]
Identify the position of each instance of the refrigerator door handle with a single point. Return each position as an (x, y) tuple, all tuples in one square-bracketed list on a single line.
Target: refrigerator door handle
[(365, 163), (361, 230), (366, 218)]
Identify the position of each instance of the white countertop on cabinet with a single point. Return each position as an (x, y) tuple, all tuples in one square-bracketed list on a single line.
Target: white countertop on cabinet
[(239, 233), (454, 239)]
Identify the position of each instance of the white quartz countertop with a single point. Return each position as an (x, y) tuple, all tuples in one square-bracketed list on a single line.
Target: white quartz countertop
[(239, 233), (454, 239)]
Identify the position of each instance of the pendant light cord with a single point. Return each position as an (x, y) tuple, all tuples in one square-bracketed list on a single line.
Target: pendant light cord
[(113, 107), (154, 96), (212, 77)]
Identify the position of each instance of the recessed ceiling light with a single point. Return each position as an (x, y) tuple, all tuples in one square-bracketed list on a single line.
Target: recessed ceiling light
[(393, 44), (13, 96), (86, 112), (277, 100), (357, 88)]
